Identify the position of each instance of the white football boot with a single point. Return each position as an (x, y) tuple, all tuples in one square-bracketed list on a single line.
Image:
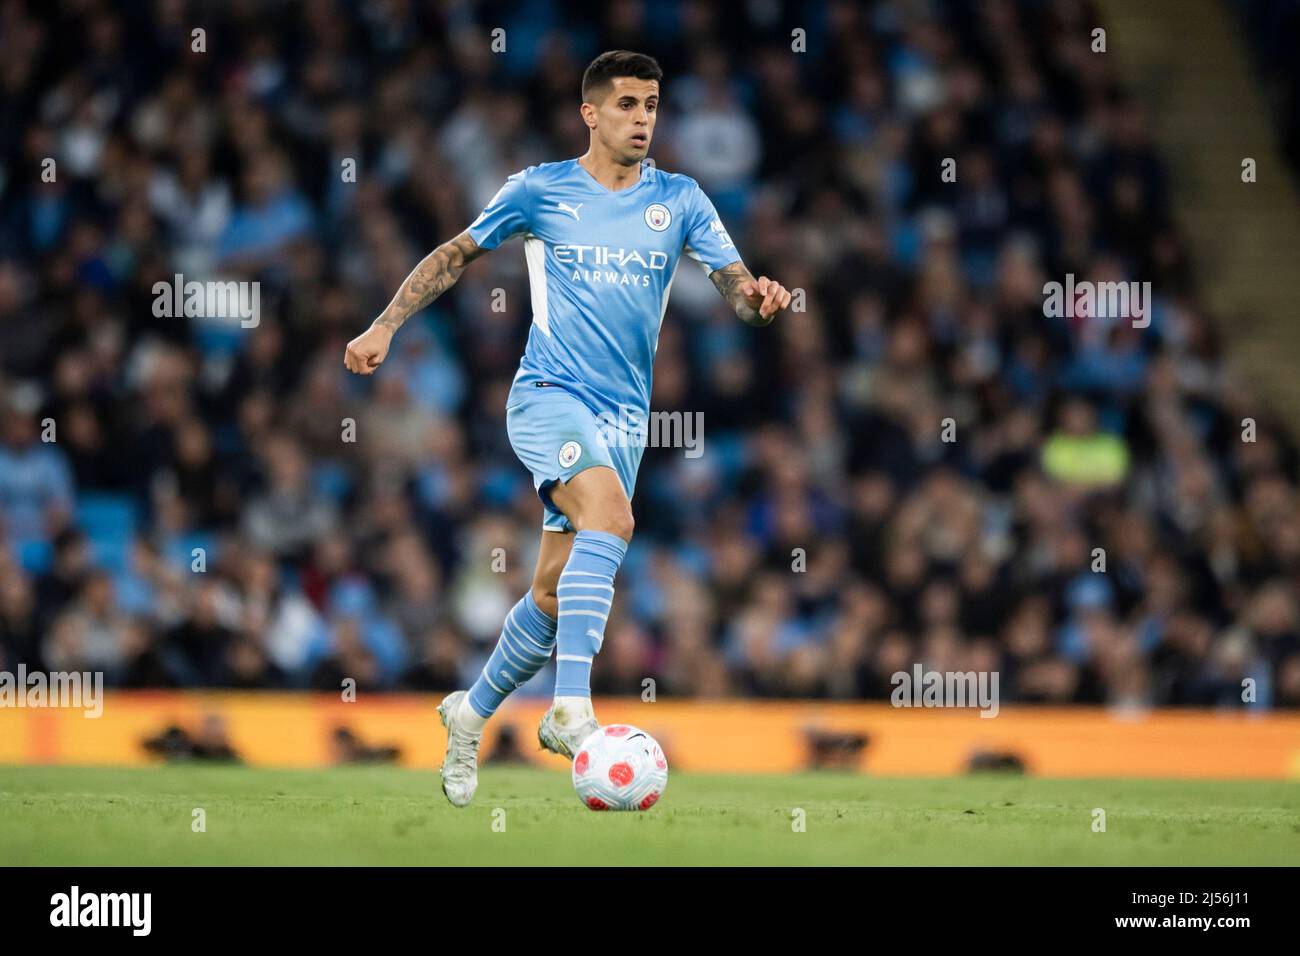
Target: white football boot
[(460, 767), (561, 736)]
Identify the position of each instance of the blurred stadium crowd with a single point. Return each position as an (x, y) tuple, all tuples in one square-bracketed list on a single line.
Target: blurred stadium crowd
[(199, 519), (1272, 28)]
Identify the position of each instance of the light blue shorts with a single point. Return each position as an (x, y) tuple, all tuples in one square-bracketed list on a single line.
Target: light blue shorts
[(556, 436)]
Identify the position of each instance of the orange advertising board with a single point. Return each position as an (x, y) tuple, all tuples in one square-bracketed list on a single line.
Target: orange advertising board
[(298, 730)]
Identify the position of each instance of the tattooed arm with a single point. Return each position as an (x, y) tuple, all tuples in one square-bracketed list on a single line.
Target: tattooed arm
[(435, 274), (756, 301)]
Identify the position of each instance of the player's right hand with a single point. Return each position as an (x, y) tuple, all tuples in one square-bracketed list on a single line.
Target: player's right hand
[(365, 353)]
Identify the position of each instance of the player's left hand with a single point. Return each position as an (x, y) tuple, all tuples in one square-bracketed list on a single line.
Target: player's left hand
[(766, 296)]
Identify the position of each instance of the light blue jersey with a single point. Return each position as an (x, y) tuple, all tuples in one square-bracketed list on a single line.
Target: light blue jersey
[(600, 265)]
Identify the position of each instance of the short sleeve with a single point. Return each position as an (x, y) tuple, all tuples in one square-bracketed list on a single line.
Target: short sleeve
[(707, 241), (508, 214)]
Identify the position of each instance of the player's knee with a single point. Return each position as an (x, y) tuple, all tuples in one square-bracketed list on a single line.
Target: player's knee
[(617, 521), (547, 601)]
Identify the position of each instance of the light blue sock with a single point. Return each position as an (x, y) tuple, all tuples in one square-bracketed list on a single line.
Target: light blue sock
[(586, 593), (522, 650)]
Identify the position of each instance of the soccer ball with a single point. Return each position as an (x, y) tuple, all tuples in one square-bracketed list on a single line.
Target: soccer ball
[(620, 767)]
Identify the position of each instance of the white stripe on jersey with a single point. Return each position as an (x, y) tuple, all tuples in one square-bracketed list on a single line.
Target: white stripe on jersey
[(535, 254)]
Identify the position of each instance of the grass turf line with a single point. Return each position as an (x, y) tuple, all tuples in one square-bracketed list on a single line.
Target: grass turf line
[(392, 816)]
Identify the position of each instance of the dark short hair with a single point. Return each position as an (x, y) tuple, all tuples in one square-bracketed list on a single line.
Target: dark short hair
[(614, 63)]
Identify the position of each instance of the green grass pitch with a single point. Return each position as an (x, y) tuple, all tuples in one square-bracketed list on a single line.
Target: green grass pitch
[(383, 816)]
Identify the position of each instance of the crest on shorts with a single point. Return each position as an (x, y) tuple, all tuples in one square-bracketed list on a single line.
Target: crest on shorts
[(570, 452), (657, 216)]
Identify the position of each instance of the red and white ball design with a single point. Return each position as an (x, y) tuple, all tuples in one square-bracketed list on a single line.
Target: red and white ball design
[(620, 767)]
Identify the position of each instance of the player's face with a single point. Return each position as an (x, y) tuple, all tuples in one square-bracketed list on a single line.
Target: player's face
[(625, 118)]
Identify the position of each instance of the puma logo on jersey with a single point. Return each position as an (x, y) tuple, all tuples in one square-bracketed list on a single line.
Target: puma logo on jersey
[(571, 210)]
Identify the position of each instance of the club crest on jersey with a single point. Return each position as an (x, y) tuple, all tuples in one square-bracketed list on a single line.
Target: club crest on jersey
[(570, 452), (657, 216)]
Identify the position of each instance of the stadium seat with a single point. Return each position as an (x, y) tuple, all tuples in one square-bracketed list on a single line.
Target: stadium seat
[(109, 521)]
